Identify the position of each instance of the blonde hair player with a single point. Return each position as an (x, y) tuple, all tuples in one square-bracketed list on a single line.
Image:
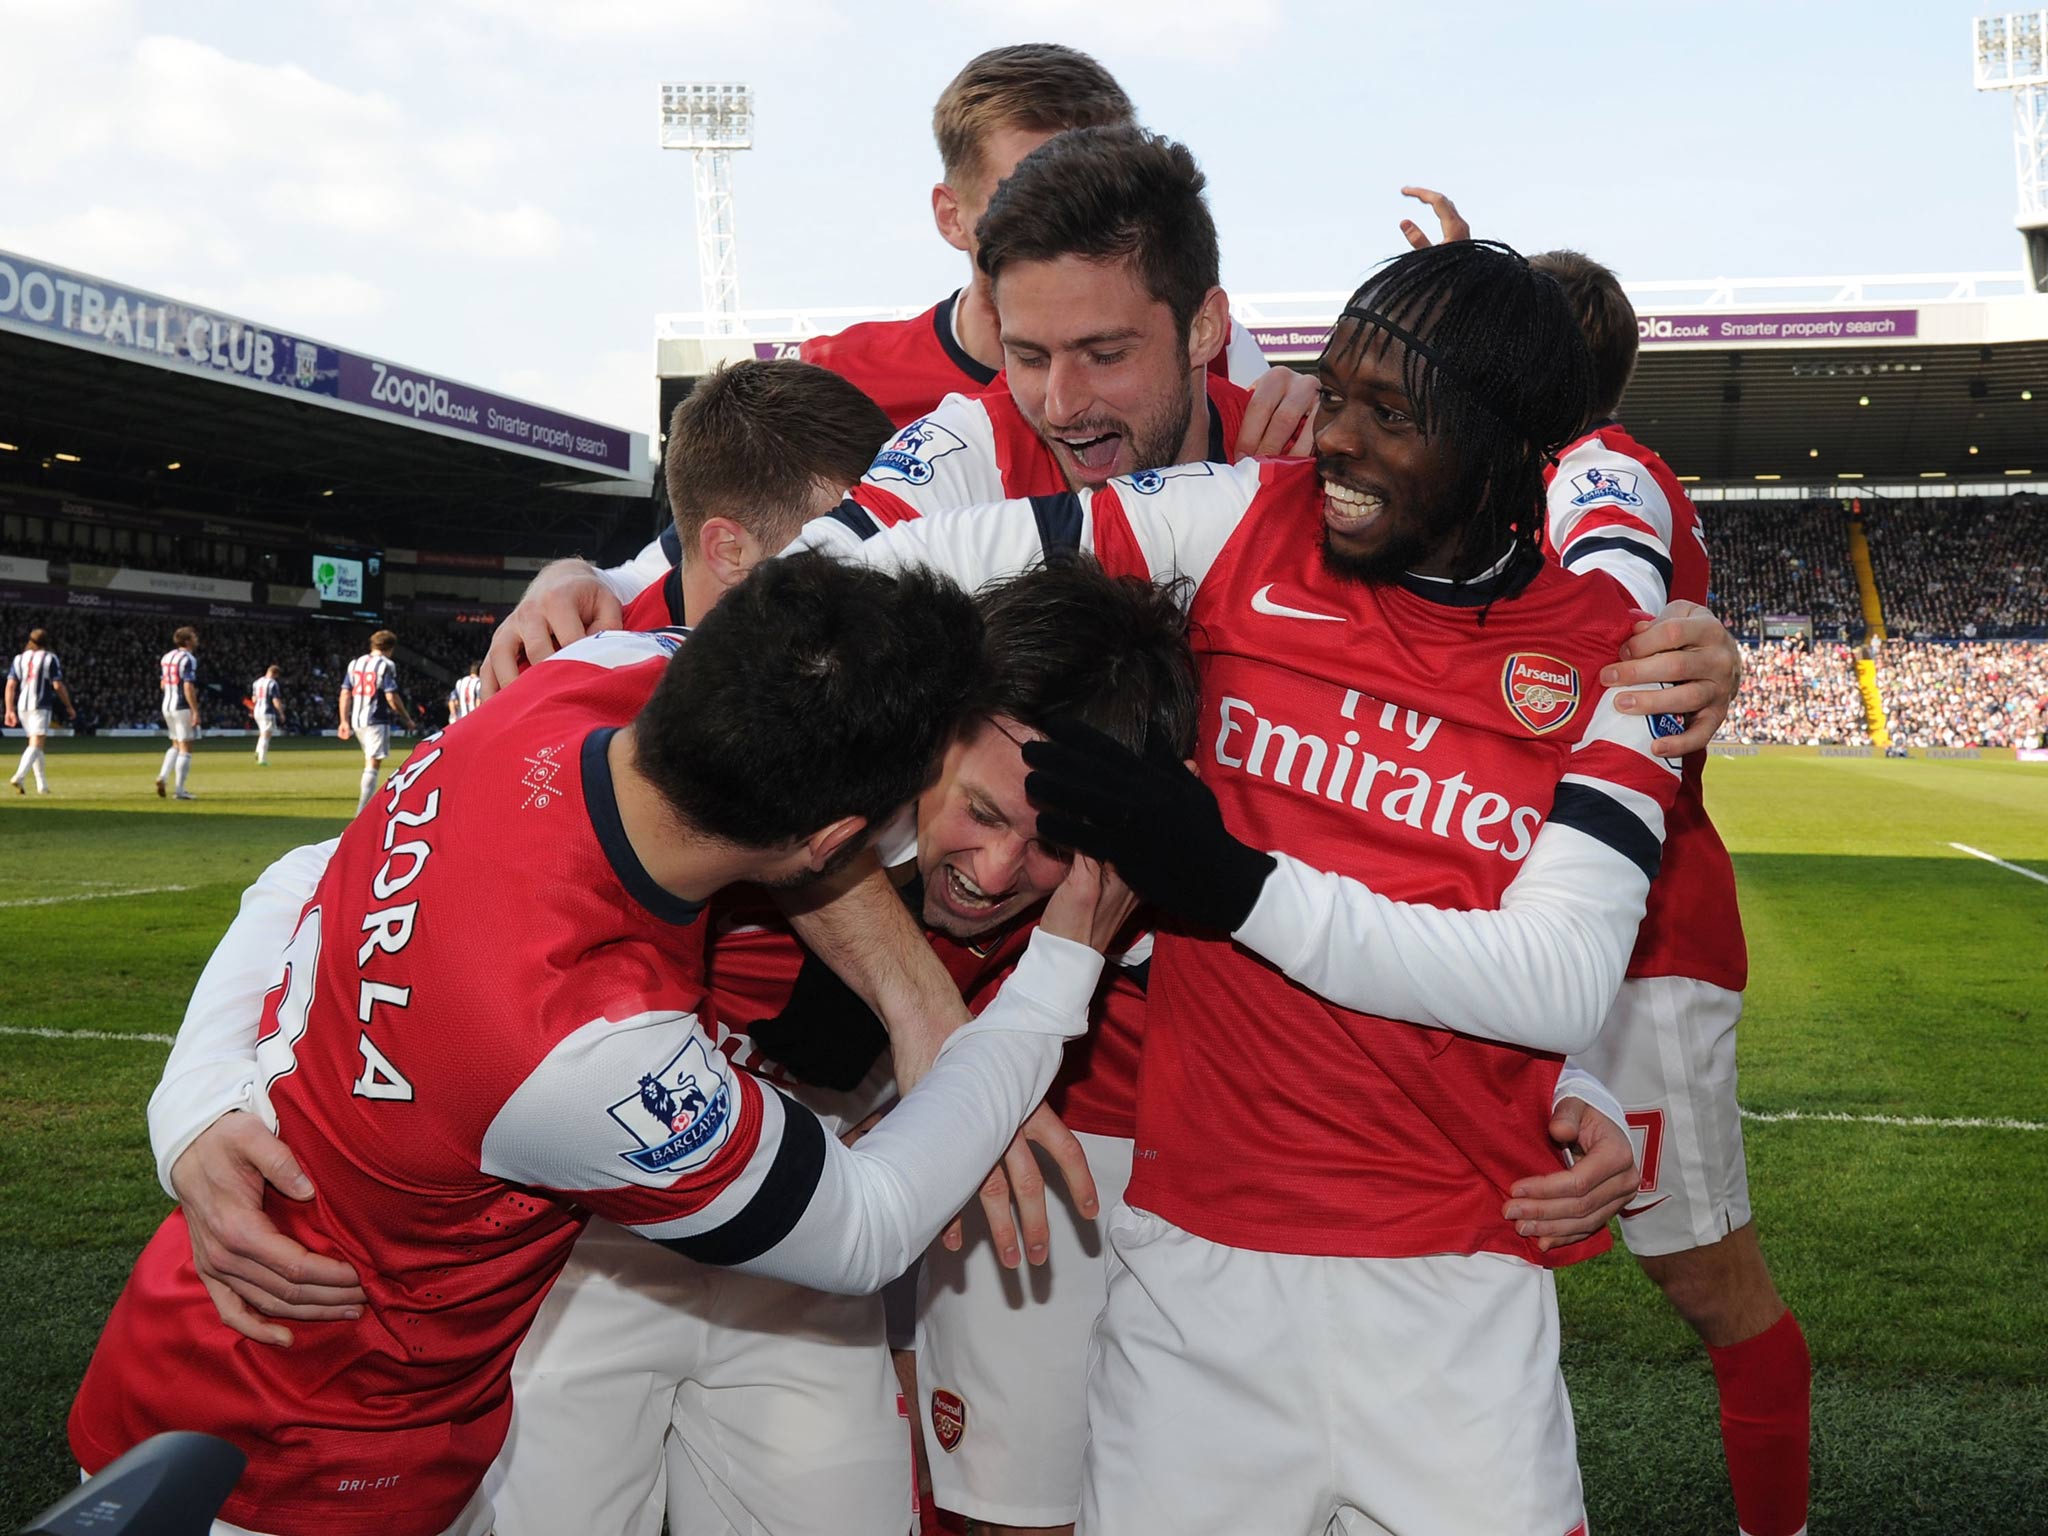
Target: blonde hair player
[(33, 676)]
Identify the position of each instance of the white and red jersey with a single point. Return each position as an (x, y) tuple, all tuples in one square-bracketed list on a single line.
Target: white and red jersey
[(469, 692), (263, 696), (1615, 506), (462, 1109), (371, 676), (33, 672), (969, 450), (175, 669), (1466, 831), (905, 366)]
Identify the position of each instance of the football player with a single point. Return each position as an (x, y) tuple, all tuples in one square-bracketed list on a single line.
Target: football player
[(462, 1108), (1406, 704), (268, 711), (368, 705), (33, 679), (178, 671), (1668, 1048)]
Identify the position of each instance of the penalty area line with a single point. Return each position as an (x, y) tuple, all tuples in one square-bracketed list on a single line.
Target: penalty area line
[(1954, 1123), (53, 901), (84, 1034), (2018, 869)]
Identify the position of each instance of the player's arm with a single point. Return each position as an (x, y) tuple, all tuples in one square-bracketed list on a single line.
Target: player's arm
[(781, 1197), (341, 713), (1540, 971), (214, 1136), (192, 698), (1177, 529), (63, 691), (568, 599), (398, 707), (12, 687), (946, 458)]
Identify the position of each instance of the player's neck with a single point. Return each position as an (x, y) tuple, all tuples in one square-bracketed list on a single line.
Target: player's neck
[(678, 858), (701, 591), (974, 322)]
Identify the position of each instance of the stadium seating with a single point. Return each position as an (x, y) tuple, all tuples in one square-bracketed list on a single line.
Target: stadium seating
[(1782, 557), (1969, 695), (1966, 568), (1798, 697)]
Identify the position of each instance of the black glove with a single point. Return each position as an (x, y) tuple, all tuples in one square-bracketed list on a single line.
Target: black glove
[(825, 1035), (1155, 821)]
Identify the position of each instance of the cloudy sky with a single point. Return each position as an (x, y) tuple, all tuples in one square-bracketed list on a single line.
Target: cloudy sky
[(473, 187)]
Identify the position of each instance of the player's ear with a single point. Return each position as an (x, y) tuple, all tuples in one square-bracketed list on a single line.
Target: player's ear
[(726, 550), (822, 844), (947, 215), (1209, 329)]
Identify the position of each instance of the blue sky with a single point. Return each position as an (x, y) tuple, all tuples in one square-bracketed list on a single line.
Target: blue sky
[(473, 187)]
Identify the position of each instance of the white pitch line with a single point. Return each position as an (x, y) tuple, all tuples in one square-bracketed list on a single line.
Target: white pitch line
[(1837, 1117), (84, 1034), (52, 901), (2018, 869)]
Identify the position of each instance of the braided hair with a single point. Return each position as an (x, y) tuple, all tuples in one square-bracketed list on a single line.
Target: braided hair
[(1495, 367)]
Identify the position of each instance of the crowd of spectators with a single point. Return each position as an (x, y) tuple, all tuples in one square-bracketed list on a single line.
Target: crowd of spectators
[(1775, 557), (144, 549), (1966, 568), (110, 663), (1793, 695), (1965, 695)]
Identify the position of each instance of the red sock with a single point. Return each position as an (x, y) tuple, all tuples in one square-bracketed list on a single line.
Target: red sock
[(1766, 1386)]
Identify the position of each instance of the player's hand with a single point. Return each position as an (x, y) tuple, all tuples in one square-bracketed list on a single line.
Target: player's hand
[(1449, 220), (1279, 419), (252, 1271), (1019, 1182), (1091, 905), (565, 602), (1566, 1207), (341, 731), (1687, 647), (11, 720), (1155, 821)]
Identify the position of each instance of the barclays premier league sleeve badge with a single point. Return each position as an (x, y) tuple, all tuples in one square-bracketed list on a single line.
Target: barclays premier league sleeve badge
[(910, 453), (680, 1115)]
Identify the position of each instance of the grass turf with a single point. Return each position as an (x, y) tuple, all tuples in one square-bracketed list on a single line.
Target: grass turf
[(1892, 975)]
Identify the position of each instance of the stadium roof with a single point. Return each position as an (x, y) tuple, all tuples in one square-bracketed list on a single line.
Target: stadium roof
[(1738, 381), (103, 389)]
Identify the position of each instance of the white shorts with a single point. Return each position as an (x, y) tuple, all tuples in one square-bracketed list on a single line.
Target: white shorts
[(265, 721), (178, 725), (375, 740), (1002, 1357), (1667, 1051), (651, 1385), (1231, 1390), (34, 722)]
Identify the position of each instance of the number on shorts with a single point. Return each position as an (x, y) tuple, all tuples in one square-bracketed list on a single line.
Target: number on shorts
[(1646, 1130)]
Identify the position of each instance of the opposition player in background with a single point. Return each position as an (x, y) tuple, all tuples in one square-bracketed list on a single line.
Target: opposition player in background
[(266, 706), (1668, 1048), (178, 671), (461, 1109), (368, 706), (466, 694), (1401, 698), (33, 679)]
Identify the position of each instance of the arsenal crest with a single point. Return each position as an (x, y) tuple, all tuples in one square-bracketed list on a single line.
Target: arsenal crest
[(1541, 691), (949, 1418)]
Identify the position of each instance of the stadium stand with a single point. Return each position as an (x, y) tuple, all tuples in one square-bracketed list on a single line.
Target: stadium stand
[(1968, 568), (1974, 694), (1782, 558), (1793, 695)]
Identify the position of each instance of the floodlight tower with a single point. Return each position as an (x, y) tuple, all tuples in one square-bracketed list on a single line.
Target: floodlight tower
[(2012, 55), (711, 121)]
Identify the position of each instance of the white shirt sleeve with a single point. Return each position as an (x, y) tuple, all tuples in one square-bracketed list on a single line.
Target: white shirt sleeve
[(1575, 1082), (1179, 519), (628, 581), (212, 1067), (1606, 512), (799, 1206), (946, 458)]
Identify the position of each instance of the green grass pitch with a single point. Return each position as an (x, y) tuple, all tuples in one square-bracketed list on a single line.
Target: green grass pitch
[(1893, 976)]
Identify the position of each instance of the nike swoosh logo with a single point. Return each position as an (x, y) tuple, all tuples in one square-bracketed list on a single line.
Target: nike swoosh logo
[(1638, 1210), (1263, 603)]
